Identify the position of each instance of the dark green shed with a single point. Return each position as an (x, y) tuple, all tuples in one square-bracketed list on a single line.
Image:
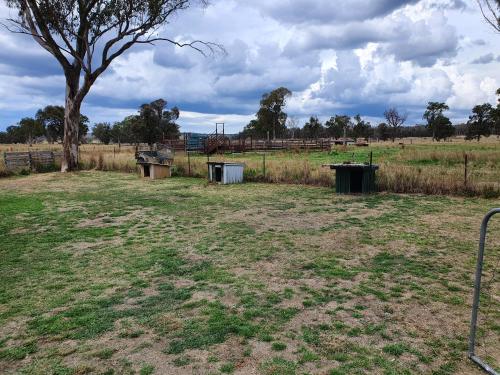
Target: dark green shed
[(354, 178)]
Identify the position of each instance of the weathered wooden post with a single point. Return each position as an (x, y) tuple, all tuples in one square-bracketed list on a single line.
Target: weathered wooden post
[(30, 161), (465, 169), (264, 165)]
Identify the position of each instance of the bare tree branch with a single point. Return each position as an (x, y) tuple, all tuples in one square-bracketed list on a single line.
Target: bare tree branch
[(490, 15)]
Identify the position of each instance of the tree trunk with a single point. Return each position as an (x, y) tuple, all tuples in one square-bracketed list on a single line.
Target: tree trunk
[(71, 124)]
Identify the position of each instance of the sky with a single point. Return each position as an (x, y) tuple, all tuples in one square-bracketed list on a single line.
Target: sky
[(337, 57)]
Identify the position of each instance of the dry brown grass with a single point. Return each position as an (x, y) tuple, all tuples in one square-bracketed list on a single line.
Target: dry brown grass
[(420, 167), (432, 180)]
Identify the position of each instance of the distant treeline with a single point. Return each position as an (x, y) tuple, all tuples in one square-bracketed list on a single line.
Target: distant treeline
[(273, 122), (154, 123), (48, 124)]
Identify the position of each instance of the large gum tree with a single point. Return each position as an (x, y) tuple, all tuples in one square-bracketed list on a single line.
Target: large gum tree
[(85, 36)]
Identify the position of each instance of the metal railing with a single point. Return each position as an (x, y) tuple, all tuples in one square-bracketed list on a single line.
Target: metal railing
[(477, 292)]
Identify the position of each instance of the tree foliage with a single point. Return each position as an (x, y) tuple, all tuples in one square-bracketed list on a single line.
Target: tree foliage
[(52, 119), (480, 122), (336, 125), (361, 128), (434, 116), (153, 124), (29, 129), (102, 131), (48, 123), (123, 131), (383, 132), (442, 128), (271, 118), (395, 120), (313, 128), (156, 123), (495, 115)]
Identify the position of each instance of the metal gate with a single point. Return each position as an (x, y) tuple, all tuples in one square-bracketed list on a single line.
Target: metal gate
[(477, 291)]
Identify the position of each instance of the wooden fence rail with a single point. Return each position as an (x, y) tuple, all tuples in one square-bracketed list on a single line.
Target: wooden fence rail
[(224, 143), (31, 160)]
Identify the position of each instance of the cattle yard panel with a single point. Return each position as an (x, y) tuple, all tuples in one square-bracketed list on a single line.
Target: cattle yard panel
[(477, 293)]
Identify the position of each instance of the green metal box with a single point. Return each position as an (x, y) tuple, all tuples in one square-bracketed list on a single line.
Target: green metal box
[(354, 178)]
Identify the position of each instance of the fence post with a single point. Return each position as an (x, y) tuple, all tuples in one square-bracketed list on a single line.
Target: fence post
[(30, 162), (465, 169), (264, 165), (189, 164)]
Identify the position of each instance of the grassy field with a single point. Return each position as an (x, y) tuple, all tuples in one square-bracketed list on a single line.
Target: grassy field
[(421, 166), (105, 273)]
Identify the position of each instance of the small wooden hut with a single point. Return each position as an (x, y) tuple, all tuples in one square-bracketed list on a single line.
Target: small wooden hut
[(155, 164)]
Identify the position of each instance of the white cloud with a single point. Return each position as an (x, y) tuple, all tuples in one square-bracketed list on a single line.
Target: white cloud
[(344, 56)]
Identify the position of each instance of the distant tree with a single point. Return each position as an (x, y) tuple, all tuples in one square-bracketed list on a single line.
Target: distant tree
[(292, 125), (125, 131), (169, 128), (361, 129), (118, 133), (383, 131), (395, 120), (495, 117), (4, 138), (443, 128), (271, 117), (85, 37), (415, 131), (102, 131), (491, 12), (461, 129), (253, 129), (156, 123), (24, 132), (15, 134), (52, 119), (338, 126), (480, 122), (31, 128), (434, 111), (313, 128)]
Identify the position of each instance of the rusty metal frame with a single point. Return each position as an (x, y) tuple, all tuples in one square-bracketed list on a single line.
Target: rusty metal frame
[(477, 291)]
